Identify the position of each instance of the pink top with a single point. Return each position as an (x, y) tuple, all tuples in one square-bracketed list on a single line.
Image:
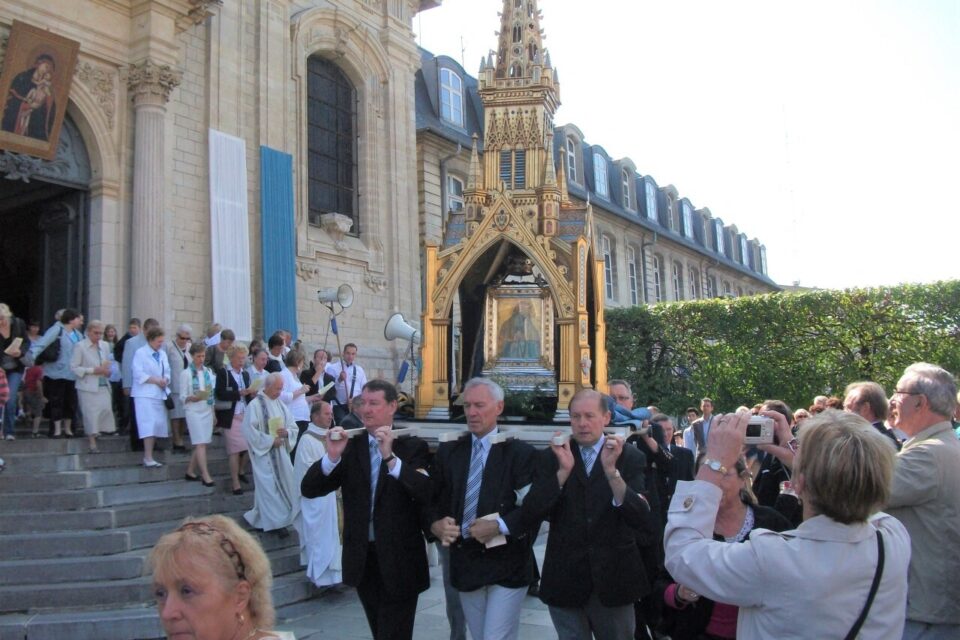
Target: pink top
[(723, 620)]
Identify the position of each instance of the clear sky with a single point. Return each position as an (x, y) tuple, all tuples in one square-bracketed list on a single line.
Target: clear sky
[(827, 129)]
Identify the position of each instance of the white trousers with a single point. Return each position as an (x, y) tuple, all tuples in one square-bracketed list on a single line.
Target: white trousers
[(493, 612)]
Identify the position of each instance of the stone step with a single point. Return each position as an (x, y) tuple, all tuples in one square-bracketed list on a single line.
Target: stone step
[(61, 446), (129, 623), (20, 464), (122, 516), (134, 473), (101, 496), (116, 582)]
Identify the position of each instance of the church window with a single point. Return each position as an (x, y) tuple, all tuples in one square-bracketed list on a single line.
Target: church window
[(331, 142), (600, 174), (657, 278), (513, 169), (651, 193), (607, 266), (625, 179), (687, 220), (454, 193), (677, 281), (451, 97), (572, 160), (517, 33)]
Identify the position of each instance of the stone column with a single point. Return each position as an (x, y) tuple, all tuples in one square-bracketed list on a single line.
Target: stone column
[(150, 85)]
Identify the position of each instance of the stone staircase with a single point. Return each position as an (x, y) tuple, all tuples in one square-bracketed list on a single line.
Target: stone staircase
[(76, 529)]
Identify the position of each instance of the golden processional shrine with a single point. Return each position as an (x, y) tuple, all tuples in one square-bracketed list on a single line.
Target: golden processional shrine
[(519, 264)]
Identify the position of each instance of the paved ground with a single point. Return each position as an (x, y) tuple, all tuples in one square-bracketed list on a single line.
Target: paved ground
[(337, 614)]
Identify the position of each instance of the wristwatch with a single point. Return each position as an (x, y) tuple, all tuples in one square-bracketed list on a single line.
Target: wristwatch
[(715, 465), (392, 456)]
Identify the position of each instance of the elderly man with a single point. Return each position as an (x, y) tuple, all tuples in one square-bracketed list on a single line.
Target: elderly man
[(869, 401), (926, 499), (386, 493), (320, 547), (590, 490), (681, 466), (269, 428), (478, 516)]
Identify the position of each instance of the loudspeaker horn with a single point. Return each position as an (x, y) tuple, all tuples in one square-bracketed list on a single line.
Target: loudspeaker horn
[(397, 327), (342, 295)]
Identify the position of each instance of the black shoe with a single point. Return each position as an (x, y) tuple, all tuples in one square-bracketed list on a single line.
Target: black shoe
[(238, 492), (243, 478), (534, 590), (207, 484), (191, 478)]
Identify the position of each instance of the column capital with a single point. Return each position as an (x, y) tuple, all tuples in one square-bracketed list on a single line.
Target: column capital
[(149, 82)]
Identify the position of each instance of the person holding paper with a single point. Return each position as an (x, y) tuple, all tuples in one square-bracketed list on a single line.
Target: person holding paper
[(478, 488), (270, 431), (590, 487), (196, 393)]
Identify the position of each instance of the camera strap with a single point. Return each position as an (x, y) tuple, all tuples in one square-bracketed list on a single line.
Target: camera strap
[(873, 591)]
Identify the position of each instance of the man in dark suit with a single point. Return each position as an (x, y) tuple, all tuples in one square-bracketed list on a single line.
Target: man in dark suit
[(589, 488), (681, 466), (386, 493), (476, 514)]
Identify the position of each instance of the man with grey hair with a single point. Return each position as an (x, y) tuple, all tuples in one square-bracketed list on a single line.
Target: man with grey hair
[(926, 499), (478, 482), (271, 432), (869, 401)]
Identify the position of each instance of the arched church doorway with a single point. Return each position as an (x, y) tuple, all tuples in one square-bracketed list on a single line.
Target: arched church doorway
[(44, 229)]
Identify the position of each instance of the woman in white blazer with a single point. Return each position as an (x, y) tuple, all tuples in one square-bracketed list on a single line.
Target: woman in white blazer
[(90, 362), (841, 574), (151, 382), (196, 392)]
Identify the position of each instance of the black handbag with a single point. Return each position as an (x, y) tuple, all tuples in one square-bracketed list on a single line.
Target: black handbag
[(50, 353)]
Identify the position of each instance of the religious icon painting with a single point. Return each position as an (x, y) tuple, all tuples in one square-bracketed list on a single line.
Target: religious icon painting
[(34, 86)]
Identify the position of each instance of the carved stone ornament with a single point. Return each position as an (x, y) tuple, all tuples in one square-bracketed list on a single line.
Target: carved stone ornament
[(149, 80), (337, 225), (377, 283), (307, 271), (200, 10), (102, 83)]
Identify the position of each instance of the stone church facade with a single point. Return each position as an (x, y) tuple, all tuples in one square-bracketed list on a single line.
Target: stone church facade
[(334, 140)]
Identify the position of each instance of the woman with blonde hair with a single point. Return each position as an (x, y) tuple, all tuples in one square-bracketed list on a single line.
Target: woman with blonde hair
[(212, 582), (91, 362), (232, 391), (196, 393)]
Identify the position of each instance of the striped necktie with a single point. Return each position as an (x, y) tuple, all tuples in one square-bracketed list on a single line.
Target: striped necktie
[(473, 488), (589, 456)]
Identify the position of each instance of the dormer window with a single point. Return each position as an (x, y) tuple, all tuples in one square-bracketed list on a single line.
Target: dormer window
[(451, 97), (763, 260), (572, 159), (743, 251), (600, 174), (625, 183), (687, 220), (651, 193), (718, 234)]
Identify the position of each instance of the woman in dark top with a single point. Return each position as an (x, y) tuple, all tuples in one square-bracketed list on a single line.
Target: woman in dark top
[(317, 378), (11, 329), (686, 615)]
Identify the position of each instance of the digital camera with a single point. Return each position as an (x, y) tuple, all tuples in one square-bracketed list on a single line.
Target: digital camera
[(759, 431)]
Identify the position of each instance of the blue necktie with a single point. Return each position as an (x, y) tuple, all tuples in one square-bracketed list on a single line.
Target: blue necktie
[(156, 356), (473, 488), (589, 455), (375, 460)]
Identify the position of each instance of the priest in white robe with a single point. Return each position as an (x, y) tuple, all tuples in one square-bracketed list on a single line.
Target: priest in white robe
[(270, 431), (320, 546)]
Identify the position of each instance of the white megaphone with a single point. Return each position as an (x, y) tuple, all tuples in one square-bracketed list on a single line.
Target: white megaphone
[(342, 295), (397, 327)]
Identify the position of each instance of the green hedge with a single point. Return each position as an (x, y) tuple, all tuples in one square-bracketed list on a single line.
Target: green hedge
[(790, 346)]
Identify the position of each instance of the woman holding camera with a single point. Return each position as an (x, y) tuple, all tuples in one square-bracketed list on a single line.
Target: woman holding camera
[(687, 615), (841, 573)]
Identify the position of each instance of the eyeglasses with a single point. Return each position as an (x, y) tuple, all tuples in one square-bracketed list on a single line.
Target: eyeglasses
[(907, 393), (180, 337), (204, 529)]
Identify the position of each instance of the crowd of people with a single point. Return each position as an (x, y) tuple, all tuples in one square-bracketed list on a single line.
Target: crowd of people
[(845, 525)]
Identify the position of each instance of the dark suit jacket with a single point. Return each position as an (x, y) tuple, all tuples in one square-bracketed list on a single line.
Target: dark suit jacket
[(681, 468), (214, 359), (509, 468), (226, 390), (592, 547), (399, 509)]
